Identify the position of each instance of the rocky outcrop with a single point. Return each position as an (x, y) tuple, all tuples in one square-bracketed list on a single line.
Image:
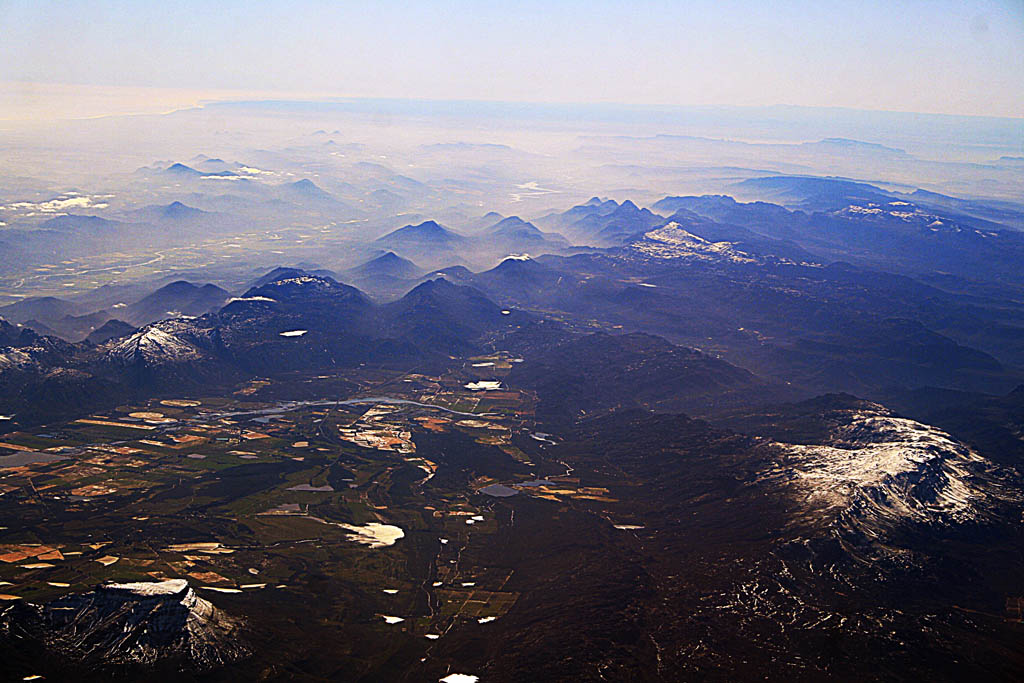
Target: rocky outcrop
[(130, 623)]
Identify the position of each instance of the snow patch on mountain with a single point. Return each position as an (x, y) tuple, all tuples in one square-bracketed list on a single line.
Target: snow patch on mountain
[(672, 241), (878, 470), (155, 344), (250, 298), (142, 623), (14, 358)]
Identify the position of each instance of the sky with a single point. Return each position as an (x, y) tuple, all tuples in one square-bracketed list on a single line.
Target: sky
[(935, 56)]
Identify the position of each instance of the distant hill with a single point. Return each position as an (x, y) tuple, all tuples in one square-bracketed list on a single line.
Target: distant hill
[(889, 231), (306, 193), (812, 193), (387, 265), (720, 207), (284, 272), (180, 169), (387, 200), (426, 236), (516, 231), (112, 329), (41, 329), (177, 298), (43, 308), (486, 221), (111, 296), (591, 207), (455, 274), (848, 146), (307, 189), (216, 165), (71, 327), (79, 222), (602, 222), (519, 279), (173, 212)]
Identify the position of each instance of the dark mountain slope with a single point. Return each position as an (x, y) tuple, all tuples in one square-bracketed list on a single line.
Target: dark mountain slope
[(594, 374), (388, 265), (286, 272), (445, 317), (176, 298), (515, 233), (111, 329), (426, 236), (44, 309)]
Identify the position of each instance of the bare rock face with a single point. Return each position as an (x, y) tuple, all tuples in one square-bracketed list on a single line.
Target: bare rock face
[(170, 341), (130, 623)]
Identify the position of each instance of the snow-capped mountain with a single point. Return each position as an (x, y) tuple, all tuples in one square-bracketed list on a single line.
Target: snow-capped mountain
[(876, 472)]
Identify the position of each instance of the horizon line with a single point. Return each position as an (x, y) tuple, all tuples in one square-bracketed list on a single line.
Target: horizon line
[(240, 96)]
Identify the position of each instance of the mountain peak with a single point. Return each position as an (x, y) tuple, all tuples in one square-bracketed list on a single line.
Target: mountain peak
[(177, 209), (430, 226), (305, 290), (178, 286), (437, 284), (181, 169), (427, 233), (510, 223), (140, 623), (387, 265), (307, 189), (287, 272), (520, 268)]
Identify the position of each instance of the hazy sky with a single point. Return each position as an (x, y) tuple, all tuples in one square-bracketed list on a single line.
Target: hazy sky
[(943, 56)]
